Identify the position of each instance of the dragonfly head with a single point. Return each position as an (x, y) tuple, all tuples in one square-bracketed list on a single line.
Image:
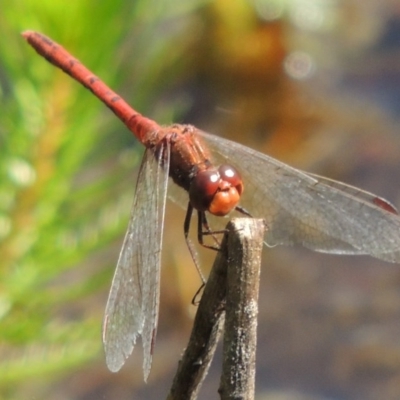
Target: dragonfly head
[(217, 191)]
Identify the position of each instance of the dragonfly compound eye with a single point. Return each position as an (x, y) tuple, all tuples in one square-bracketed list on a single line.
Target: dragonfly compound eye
[(216, 191), (230, 189), (203, 188), (231, 175)]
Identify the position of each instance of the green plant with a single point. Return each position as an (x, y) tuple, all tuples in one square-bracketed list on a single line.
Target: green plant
[(63, 159)]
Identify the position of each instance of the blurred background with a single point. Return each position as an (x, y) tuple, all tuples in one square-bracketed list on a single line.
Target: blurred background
[(313, 83)]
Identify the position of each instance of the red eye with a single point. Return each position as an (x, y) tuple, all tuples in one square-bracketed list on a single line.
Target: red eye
[(203, 188), (232, 176), (216, 191)]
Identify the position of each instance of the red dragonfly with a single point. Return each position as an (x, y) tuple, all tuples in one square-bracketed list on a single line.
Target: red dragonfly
[(298, 207)]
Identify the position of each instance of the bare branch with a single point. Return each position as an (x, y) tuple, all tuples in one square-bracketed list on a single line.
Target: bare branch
[(207, 326), (239, 352)]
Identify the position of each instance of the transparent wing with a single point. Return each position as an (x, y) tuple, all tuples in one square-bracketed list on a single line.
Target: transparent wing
[(357, 193), (132, 307), (318, 213)]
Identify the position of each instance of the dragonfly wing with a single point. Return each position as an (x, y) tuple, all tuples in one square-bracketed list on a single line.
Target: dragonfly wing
[(357, 192), (152, 228), (302, 209), (132, 307)]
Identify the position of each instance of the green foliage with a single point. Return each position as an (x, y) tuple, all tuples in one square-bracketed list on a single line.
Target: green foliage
[(63, 159)]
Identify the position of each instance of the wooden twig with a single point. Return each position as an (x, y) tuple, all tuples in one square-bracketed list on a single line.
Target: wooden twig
[(239, 349), (207, 326)]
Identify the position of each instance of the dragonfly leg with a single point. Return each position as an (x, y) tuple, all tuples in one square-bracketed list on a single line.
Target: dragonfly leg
[(195, 300), (189, 243), (203, 229), (243, 211)]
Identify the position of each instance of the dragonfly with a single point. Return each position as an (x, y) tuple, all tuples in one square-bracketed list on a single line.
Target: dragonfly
[(211, 173)]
